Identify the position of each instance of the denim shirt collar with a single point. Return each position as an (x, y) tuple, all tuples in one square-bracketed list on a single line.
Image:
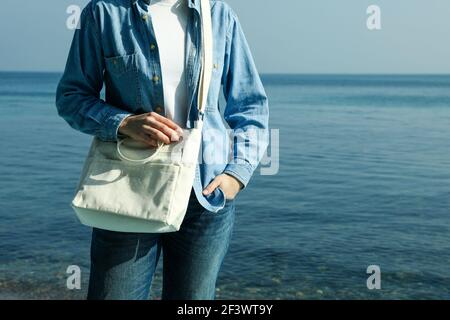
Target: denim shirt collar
[(193, 4), (192, 58)]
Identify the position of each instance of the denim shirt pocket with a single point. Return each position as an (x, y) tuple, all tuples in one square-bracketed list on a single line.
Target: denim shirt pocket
[(119, 65), (123, 75)]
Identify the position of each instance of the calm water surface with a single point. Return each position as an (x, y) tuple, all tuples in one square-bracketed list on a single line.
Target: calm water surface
[(364, 179)]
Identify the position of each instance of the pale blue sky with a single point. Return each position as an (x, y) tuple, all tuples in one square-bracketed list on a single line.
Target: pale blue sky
[(294, 36)]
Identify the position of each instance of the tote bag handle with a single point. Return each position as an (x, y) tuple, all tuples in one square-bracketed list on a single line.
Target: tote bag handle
[(205, 78)]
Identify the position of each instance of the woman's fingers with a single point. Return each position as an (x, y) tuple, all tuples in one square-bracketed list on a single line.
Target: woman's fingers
[(169, 123), (156, 134), (212, 186), (168, 132), (166, 128), (145, 138), (152, 128)]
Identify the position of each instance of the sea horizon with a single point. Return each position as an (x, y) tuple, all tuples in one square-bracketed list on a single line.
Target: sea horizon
[(280, 73), (364, 172)]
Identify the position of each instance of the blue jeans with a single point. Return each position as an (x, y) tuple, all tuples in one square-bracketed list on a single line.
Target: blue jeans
[(123, 264)]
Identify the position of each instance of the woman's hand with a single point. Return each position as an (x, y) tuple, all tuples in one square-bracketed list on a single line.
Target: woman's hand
[(229, 185), (151, 128)]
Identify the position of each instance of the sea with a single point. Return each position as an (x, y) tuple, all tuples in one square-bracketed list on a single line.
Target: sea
[(360, 193)]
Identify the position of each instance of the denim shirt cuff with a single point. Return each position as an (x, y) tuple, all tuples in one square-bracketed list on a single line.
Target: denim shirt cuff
[(111, 123), (241, 171)]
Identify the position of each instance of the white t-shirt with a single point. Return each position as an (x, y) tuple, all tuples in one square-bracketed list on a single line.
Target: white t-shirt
[(169, 20)]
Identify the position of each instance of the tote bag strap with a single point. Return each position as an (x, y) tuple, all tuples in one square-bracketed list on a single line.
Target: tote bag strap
[(207, 56), (205, 78)]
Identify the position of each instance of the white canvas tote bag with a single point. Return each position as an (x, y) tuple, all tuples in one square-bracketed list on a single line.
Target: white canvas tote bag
[(151, 186)]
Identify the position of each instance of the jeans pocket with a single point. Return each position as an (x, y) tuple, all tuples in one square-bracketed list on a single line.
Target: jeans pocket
[(227, 203), (222, 195)]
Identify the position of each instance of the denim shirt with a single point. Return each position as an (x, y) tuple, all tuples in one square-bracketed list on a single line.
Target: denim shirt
[(115, 46)]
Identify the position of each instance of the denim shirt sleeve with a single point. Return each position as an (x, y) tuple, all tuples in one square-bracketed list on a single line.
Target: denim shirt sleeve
[(78, 92), (246, 110)]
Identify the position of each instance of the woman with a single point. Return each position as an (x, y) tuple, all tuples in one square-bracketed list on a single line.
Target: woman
[(147, 55)]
